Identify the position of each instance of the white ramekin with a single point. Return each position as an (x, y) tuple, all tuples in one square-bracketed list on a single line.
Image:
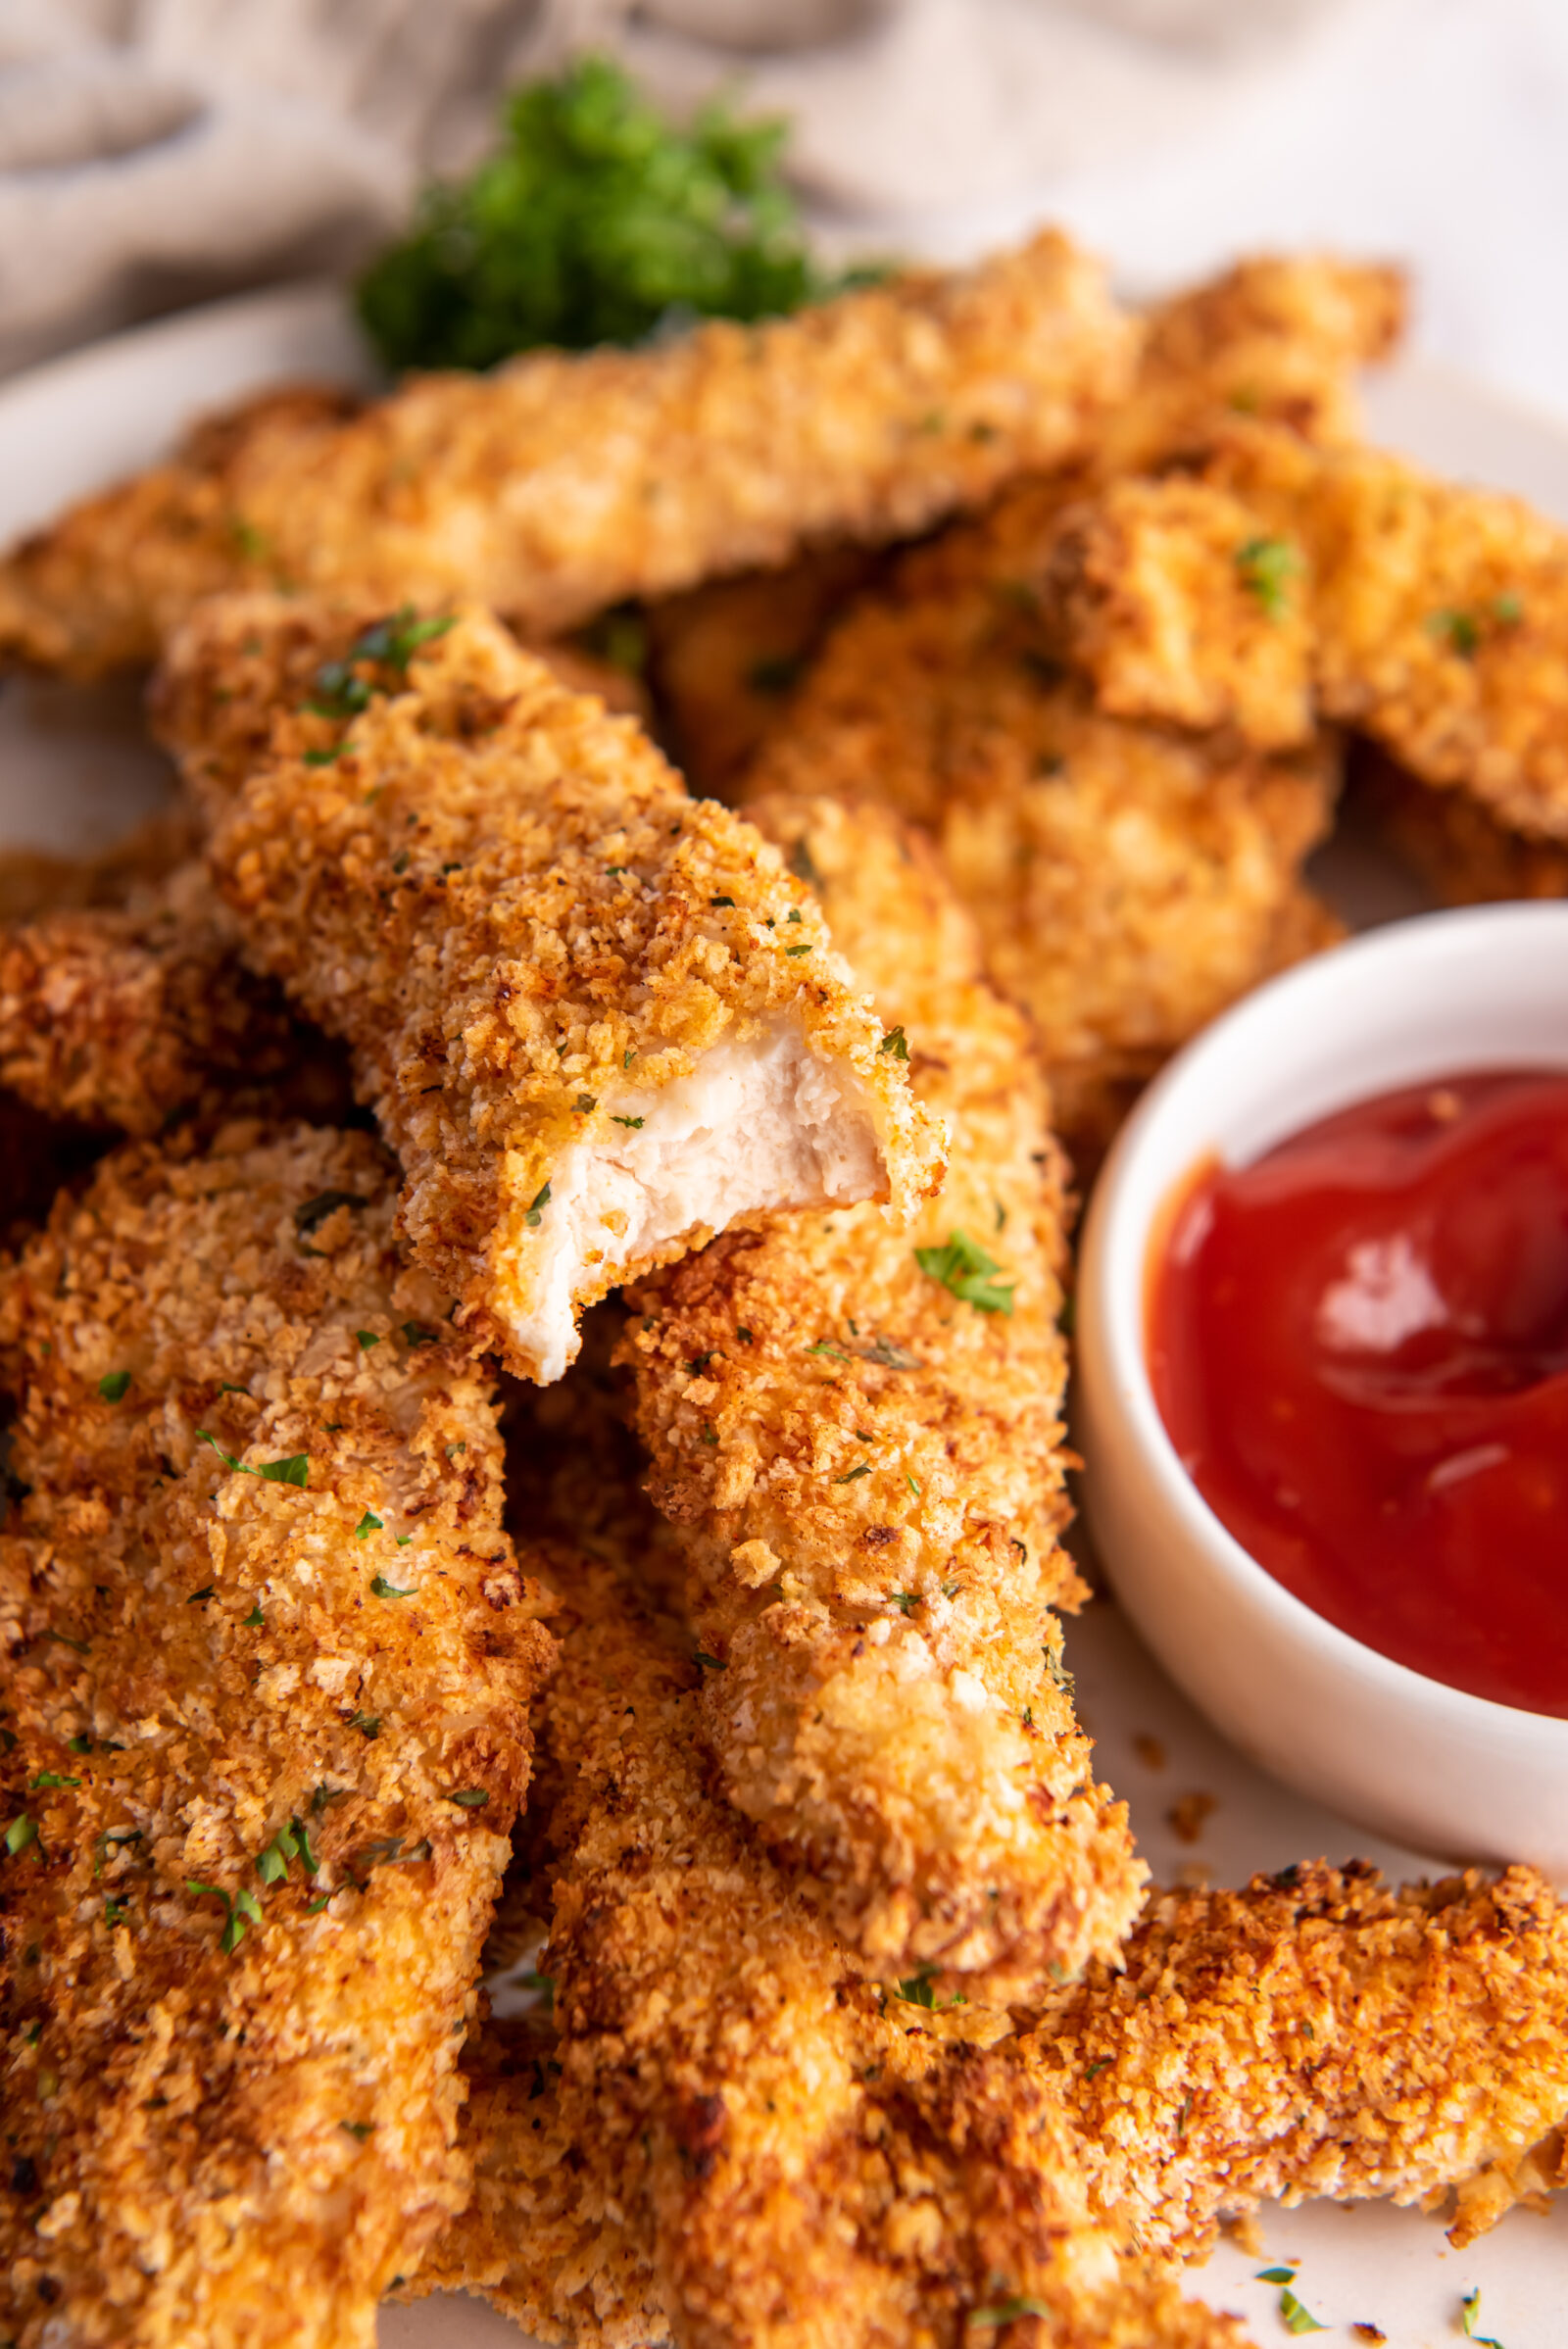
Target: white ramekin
[(1425, 1764)]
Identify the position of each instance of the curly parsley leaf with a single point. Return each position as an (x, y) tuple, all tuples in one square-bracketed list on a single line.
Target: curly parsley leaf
[(594, 222)]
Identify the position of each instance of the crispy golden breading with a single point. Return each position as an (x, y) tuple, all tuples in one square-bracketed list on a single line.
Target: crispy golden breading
[(1292, 583), (863, 1454), (1128, 882), (118, 1015), (1318, 2033), (743, 2132), (596, 1017), (268, 1662), (1273, 337), (559, 484)]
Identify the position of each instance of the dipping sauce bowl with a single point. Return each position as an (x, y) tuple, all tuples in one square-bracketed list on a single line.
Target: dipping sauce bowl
[(1423, 1763)]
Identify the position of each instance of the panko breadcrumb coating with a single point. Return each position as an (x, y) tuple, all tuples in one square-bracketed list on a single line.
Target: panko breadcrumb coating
[(1128, 882), (734, 2129), (1291, 583), (1318, 2033), (1276, 337), (1460, 851), (597, 1018), (559, 484), (117, 1015), (270, 1656), (858, 1434)]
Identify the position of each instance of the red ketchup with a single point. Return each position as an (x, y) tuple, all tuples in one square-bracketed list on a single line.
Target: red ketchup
[(1360, 1346)]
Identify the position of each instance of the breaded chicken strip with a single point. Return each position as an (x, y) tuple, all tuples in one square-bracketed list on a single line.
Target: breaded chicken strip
[(560, 484), (857, 1433), (1127, 882), (750, 2137), (269, 1663), (1318, 2033), (118, 1015), (1289, 584), (1274, 337), (597, 1019)]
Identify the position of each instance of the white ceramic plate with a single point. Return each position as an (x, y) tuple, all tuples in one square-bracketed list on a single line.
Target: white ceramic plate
[(74, 773)]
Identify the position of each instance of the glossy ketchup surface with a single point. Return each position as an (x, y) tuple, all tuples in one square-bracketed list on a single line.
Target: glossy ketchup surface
[(1360, 1346)]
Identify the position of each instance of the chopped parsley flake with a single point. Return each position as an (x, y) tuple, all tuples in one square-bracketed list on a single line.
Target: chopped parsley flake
[(706, 1663), (416, 1334), (628, 1055), (965, 1268), (52, 1778), (862, 1468), (293, 1471), (1297, 2319), (369, 1524), (793, 913), (325, 757), (896, 1042), (1507, 609), (890, 1356), (906, 1601), (359, 2129), (368, 1726), (822, 1348), (113, 1385), (634, 1122), (1266, 566), (198, 1597), (721, 901), (586, 1102), (382, 1589), (1460, 628), (313, 1908), (1470, 2318), (401, 862), (1267, 2274), (919, 1992), (1007, 2312), (793, 950), (239, 1912), (81, 1742), (541, 1201), (469, 1799), (254, 1621), (366, 1339)]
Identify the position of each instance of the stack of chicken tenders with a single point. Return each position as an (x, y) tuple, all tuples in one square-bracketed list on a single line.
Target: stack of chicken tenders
[(537, 1403)]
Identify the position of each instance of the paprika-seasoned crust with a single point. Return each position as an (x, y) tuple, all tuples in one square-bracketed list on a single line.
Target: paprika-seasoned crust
[(863, 1456), (269, 1658), (597, 1019), (559, 484)]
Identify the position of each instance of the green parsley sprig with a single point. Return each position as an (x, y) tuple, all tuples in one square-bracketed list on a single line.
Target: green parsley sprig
[(596, 220), (965, 1268)]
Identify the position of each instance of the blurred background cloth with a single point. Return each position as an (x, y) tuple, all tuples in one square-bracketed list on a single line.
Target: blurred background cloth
[(153, 152)]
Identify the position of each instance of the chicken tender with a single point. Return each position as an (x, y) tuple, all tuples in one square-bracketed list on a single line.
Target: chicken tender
[(119, 1015), (1318, 2033), (753, 2141), (597, 1018), (556, 484), (1290, 584), (1274, 337), (270, 1656), (858, 1434), (1128, 882), (1461, 852)]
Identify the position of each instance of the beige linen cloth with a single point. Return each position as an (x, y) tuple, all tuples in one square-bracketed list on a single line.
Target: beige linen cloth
[(156, 151)]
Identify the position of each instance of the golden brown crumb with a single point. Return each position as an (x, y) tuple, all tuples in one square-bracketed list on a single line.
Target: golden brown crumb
[(269, 1657), (1189, 1814), (1128, 882), (858, 1434), (1318, 2033), (596, 1017), (1462, 851), (1427, 614), (559, 484)]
